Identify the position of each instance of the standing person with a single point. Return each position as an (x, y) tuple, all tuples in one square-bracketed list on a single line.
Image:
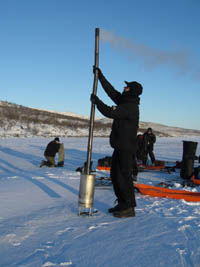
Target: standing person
[(50, 153), (140, 154), (149, 140), (123, 137)]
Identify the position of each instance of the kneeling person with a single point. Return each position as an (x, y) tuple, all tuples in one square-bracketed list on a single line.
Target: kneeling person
[(50, 153)]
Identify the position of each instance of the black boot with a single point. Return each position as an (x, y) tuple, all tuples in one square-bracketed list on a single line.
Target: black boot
[(124, 213), (114, 209)]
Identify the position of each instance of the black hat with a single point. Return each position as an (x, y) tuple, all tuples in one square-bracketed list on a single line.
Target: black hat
[(57, 139), (135, 86)]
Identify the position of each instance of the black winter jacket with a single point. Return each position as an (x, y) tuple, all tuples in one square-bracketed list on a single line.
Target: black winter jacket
[(51, 149), (125, 116), (149, 140)]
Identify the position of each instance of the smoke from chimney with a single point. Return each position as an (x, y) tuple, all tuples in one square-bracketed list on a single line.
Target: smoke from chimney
[(149, 56)]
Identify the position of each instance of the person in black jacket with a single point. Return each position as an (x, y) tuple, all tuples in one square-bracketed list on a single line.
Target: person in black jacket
[(149, 140), (50, 153), (123, 137), (141, 154)]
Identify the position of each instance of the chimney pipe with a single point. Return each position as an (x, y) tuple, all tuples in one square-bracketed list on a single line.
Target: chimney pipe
[(87, 180)]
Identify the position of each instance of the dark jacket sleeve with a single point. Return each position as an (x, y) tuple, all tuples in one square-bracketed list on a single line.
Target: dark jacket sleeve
[(115, 112), (109, 89), (153, 138)]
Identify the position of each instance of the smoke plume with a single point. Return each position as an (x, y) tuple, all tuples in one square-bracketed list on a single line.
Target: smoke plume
[(147, 55)]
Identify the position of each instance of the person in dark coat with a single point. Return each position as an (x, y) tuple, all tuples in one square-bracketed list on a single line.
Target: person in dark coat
[(50, 153), (140, 154), (123, 137), (149, 140)]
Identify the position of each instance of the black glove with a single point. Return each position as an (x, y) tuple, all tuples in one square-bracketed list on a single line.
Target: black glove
[(97, 69), (94, 99), (60, 164)]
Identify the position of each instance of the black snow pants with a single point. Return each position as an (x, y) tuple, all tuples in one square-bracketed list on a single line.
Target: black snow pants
[(121, 175), (151, 154)]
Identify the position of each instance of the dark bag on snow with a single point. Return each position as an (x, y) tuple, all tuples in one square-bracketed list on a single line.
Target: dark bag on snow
[(105, 162), (189, 151)]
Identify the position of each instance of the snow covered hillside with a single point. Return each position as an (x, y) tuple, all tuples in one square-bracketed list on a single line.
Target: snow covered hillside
[(39, 225), (20, 121)]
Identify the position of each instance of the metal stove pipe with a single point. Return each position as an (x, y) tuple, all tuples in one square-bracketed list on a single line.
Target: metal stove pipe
[(87, 180), (92, 113)]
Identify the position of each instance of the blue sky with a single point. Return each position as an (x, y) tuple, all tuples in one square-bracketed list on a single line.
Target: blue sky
[(47, 54)]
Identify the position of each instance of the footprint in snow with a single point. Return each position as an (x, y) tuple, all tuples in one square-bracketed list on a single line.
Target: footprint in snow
[(183, 227), (48, 263), (48, 244), (61, 232), (12, 239), (100, 225)]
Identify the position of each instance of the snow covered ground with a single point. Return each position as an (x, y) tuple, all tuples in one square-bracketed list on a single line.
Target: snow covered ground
[(39, 225)]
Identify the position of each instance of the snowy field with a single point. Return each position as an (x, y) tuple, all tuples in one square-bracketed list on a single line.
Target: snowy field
[(39, 225)]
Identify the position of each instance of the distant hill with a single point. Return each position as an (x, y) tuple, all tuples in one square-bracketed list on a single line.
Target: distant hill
[(20, 121)]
